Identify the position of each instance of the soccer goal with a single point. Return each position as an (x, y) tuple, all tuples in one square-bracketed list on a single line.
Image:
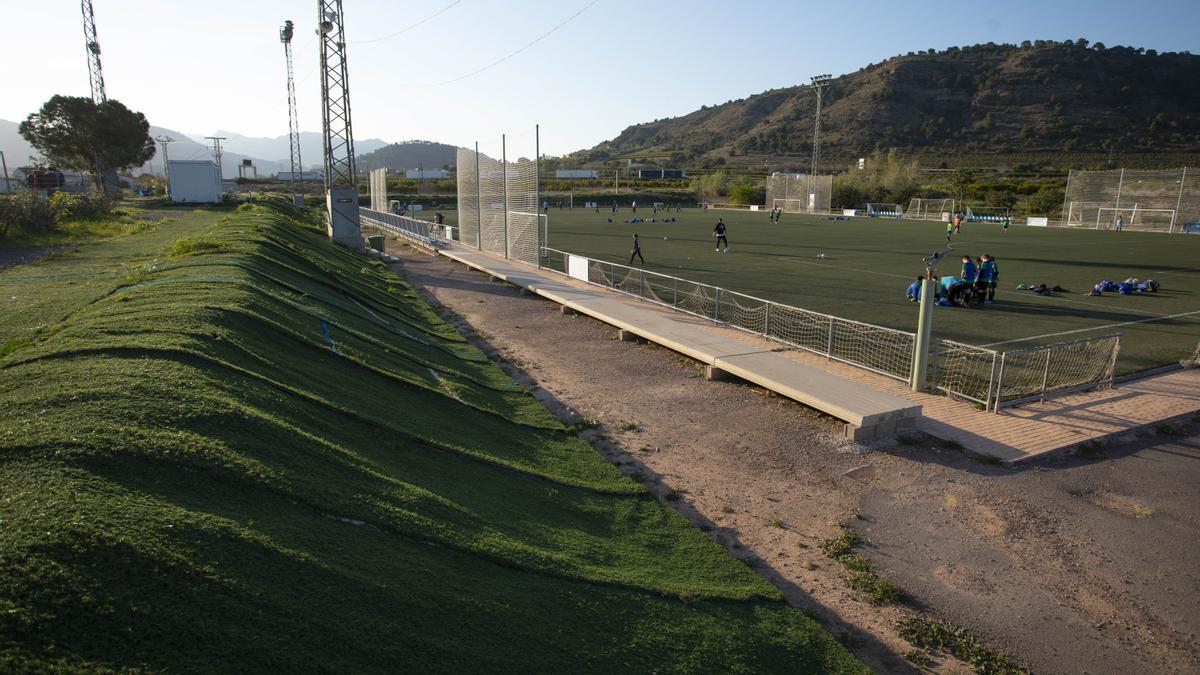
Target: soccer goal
[(790, 205), (879, 210), (920, 208), (1134, 217), (988, 214)]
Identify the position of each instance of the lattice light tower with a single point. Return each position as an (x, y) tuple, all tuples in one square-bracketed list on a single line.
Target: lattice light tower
[(341, 187), (285, 36), (819, 84), (92, 44)]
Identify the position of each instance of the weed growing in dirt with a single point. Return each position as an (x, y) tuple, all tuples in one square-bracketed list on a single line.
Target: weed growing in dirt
[(934, 635), (1167, 430), (879, 591), (918, 658), (629, 426), (776, 522), (727, 509), (841, 545)]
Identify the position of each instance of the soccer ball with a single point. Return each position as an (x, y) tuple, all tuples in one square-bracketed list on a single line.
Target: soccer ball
[(820, 255), (664, 238)]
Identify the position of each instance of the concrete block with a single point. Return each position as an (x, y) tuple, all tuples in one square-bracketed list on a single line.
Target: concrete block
[(715, 374), (567, 311), (627, 336)]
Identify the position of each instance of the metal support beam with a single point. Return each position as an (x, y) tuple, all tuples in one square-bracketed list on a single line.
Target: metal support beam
[(341, 185)]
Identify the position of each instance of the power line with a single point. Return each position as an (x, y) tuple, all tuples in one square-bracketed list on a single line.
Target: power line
[(541, 37), (415, 25)]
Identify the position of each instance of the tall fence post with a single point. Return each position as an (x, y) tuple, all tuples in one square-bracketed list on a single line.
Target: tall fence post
[(478, 202), (1112, 365), (1179, 201), (1046, 374), (767, 320), (675, 293), (829, 344), (987, 398), (717, 304), (504, 172), (537, 192)]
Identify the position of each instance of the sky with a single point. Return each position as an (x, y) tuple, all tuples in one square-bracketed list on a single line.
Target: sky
[(218, 65)]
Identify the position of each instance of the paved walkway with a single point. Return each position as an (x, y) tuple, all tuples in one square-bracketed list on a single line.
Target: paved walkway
[(1015, 434)]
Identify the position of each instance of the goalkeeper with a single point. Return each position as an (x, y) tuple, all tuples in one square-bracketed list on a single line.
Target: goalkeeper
[(719, 233)]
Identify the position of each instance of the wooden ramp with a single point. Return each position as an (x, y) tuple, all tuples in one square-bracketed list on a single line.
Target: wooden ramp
[(868, 411)]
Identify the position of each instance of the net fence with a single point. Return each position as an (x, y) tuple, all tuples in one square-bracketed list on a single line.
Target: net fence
[(468, 197), (999, 379), (1162, 200), (498, 204), (883, 350), (799, 193)]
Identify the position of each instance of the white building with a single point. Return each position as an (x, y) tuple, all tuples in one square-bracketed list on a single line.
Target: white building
[(194, 182), (576, 173), (426, 174)]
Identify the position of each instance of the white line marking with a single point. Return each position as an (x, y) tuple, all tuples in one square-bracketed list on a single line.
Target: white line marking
[(1095, 328)]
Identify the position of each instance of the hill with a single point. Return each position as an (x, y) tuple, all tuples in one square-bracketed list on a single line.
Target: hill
[(1042, 98), (409, 155), (234, 446)]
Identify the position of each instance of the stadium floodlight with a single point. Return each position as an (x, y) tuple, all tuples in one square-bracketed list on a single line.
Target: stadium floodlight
[(819, 84), (297, 165)]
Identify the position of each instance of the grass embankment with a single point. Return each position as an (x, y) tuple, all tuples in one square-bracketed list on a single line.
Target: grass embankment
[(261, 451)]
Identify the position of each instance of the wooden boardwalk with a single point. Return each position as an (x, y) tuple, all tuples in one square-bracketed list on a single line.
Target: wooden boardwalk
[(1015, 434)]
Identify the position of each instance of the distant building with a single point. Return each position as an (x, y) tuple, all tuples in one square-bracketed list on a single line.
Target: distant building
[(315, 176), (572, 174), (661, 174), (194, 182), (426, 174)]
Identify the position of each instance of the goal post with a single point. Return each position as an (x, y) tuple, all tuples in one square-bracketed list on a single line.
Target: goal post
[(1135, 217), (926, 208), (789, 205), (883, 210)]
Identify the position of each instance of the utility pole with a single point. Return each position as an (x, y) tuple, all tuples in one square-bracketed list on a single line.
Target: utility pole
[(217, 154), (285, 36), (166, 141), (4, 163), (341, 186), (819, 84)]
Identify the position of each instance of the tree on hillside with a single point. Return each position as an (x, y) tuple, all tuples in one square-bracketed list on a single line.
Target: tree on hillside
[(75, 133)]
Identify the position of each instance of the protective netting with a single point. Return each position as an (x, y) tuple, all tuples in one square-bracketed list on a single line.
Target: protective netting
[(522, 192), (922, 208), (1165, 200), (799, 193), (965, 370), (378, 187), (498, 205), (491, 206), (468, 198), (1034, 372)]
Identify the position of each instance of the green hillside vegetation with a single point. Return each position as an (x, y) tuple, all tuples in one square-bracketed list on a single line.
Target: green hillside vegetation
[(1040, 100), (236, 446)]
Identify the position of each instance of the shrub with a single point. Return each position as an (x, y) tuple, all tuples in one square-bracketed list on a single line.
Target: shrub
[(66, 206), (25, 212)]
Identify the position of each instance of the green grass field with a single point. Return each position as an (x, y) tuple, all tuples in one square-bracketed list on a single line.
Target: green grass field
[(229, 445), (869, 262)]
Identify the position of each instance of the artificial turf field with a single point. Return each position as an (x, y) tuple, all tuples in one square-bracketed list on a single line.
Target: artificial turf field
[(868, 264)]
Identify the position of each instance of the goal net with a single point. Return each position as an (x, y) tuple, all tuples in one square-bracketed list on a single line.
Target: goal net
[(920, 208), (1157, 200), (988, 214), (879, 210), (800, 193)]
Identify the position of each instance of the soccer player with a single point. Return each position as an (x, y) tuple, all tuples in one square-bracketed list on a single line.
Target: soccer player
[(989, 276), (719, 233), (949, 230), (637, 250), (1120, 222), (635, 207), (1007, 222), (969, 270), (914, 290), (958, 224)]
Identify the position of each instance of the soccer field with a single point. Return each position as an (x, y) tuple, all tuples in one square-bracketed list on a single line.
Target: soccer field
[(868, 264)]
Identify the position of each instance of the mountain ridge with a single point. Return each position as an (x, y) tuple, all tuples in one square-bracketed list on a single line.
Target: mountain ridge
[(1041, 97)]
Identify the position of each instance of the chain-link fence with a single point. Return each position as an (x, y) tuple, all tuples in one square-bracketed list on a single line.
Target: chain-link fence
[(1163, 200), (799, 193), (883, 350), (1000, 379)]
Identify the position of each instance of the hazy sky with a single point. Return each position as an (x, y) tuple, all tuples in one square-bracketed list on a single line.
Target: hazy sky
[(203, 66)]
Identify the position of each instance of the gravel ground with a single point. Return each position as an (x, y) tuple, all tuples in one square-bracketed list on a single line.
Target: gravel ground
[(1069, 565)]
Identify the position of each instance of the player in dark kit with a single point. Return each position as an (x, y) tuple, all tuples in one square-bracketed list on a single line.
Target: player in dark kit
[(637, 250), (719, 233)]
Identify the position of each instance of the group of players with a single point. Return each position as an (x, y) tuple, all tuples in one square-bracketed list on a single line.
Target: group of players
[(719, 231), (975, 284)]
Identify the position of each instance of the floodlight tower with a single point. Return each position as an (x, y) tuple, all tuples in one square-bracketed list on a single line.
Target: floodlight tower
[(285, 36), (95, 73), (819, 84), (341, 186)]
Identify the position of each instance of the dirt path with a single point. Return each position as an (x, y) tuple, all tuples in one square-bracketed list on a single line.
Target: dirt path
[(11, 257), (1073, 567)]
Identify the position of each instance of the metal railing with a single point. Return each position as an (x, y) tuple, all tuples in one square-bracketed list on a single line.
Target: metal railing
[(882, 350), (421, 231), (1000, 379)]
